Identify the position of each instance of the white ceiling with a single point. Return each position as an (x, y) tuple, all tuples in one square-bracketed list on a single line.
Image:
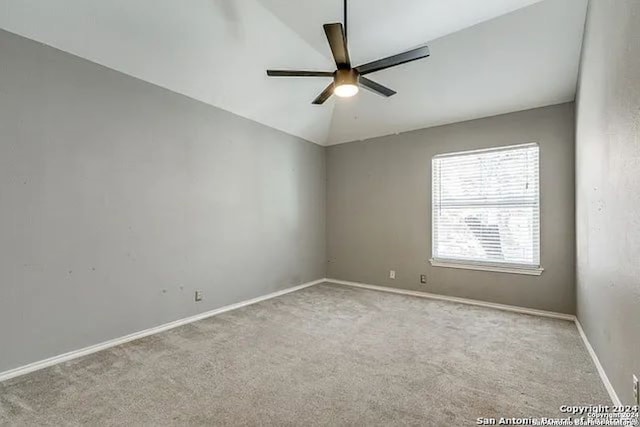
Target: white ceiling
[(488, 57)]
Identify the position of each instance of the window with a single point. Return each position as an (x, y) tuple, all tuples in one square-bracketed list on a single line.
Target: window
[(486, 209)]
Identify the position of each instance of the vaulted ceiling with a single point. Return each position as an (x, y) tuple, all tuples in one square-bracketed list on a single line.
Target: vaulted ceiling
[(487, 57)]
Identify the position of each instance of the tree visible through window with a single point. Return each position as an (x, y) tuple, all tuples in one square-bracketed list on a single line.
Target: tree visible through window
[(486, 207)]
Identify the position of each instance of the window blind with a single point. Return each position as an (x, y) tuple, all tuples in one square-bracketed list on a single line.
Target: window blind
[(486, 207)]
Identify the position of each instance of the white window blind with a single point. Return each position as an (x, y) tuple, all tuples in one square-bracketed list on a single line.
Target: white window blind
[(486, 207)]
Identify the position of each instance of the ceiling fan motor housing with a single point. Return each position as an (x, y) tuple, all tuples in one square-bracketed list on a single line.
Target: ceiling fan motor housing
[(346, 77)]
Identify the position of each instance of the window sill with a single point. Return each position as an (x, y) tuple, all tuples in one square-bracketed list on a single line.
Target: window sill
[(469, 266)]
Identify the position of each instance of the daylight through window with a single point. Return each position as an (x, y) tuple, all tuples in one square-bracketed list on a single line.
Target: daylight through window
[(486, 206)]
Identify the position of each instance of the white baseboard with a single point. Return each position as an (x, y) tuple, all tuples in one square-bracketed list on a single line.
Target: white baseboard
[(136, 335), (601, 372), (467, 301)]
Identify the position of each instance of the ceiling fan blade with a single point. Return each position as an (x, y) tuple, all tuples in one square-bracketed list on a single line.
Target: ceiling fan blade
[(392, 61), (338, 44), (376, 87), (324, 95), (295, 73)]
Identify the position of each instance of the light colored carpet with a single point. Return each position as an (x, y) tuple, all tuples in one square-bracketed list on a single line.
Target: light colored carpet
[(325, 355)]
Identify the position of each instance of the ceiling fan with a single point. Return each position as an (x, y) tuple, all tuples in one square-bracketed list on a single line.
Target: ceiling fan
[(347, 79)]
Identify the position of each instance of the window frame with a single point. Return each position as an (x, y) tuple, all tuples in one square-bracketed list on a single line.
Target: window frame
[(500, 267)]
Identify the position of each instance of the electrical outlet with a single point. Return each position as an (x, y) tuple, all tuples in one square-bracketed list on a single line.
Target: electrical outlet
[(423, 279), (636, 390), (392, 274), (198, 296)]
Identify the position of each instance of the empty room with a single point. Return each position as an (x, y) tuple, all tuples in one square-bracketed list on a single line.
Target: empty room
[(329, 212)]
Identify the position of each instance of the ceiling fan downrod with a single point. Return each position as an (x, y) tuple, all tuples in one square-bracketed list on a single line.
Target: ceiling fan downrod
[(345, 20)]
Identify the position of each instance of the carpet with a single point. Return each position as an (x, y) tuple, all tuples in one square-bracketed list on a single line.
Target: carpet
[(324, 355)]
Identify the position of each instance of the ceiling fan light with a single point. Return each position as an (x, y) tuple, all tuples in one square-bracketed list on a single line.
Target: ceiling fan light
[(346, 90), (346, 83)]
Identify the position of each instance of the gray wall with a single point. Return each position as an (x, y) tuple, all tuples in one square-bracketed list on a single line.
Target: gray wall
[(118, 199), (608, 189), (379, 209)]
